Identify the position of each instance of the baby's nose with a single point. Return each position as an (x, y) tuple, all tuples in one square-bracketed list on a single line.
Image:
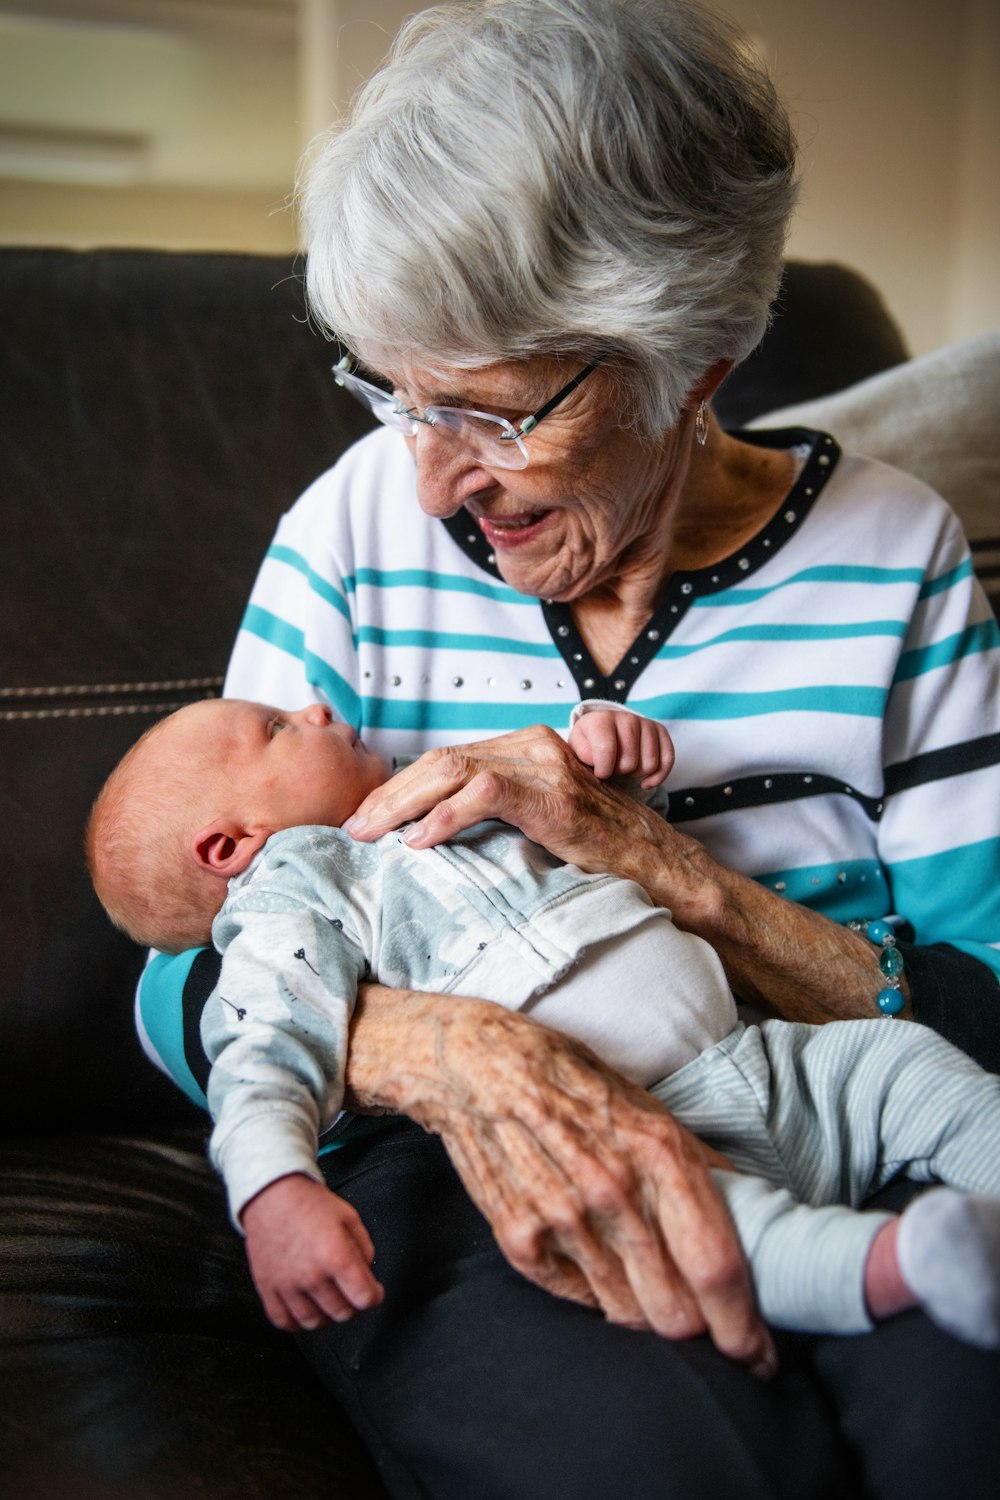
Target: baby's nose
[(317, 713)]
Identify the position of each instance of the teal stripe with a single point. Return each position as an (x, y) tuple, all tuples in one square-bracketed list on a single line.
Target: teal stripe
[(160, 1002), (947, 580), (854, 887), (951, 896), (423, 578), (288, 638), (968, 642), (413, 714), (895, 628), (374, 636), (858, 701), (318, 584), (828, 573)]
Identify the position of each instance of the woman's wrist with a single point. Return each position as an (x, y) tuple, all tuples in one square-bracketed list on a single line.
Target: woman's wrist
[(777, 955), (791, 960), (409, 1051)]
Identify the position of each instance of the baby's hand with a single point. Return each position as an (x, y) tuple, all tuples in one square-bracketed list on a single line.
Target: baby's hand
[(310, 1255), (614, 743)]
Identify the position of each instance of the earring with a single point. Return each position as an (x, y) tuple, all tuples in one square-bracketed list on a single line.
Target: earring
[(701, 425)]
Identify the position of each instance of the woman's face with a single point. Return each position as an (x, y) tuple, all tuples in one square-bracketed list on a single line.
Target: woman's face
[(594, 501)]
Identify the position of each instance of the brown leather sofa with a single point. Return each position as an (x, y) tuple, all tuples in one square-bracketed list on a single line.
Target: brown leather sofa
[(159, 412)]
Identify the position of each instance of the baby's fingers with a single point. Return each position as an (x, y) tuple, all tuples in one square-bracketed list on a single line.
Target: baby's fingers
[(305, 1311), (347, 1262), (595, 742), (656, 754)]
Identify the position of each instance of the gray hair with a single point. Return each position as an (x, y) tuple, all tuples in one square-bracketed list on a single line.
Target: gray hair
[(560, 177)]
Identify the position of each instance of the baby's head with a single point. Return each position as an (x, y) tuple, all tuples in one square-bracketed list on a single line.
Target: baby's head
[(199, 794)]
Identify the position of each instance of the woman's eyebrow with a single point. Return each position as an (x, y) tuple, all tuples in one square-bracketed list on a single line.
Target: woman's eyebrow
[(520, 401)]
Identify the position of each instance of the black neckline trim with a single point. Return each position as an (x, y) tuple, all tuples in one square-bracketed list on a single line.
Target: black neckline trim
[(683, 588)]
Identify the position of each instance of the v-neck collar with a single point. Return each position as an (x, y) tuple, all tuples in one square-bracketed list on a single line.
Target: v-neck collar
[(684, 588)]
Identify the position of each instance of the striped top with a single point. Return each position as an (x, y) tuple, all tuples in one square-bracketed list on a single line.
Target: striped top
[(831, 688)]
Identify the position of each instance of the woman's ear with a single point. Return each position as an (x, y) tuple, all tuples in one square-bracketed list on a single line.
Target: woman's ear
[(709, 383), (225, 849)]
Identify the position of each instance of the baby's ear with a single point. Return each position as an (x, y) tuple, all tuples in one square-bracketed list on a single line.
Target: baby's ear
[(225, 849)]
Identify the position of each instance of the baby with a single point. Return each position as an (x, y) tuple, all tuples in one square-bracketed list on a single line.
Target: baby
[(224, 820)]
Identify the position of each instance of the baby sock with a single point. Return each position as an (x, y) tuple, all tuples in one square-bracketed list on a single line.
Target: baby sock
[(948, 1251)]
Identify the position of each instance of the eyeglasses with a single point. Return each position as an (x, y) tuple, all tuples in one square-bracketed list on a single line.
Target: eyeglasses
[(490, 440)]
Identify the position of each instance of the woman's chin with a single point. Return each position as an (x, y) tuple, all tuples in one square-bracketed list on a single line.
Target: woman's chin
[(538, 582)]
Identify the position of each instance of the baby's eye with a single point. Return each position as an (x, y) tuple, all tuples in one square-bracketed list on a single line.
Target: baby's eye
[(275, 725)]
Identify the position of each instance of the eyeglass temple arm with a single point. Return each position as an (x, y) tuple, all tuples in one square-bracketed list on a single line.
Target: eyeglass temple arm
[(530, 423)]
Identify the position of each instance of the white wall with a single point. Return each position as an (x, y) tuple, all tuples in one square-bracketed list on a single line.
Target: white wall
[(898, 112), (897, 105), (120, 134), (974, 304), (897, 108)]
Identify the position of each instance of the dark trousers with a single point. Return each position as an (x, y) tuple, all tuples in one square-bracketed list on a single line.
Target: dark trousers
[(469, 1383)]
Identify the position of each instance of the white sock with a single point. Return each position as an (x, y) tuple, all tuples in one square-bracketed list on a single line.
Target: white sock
[(949, 1254)]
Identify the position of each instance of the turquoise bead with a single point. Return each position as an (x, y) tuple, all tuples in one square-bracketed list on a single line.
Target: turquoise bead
[(891, 962), (890, 1002), (877, 931)]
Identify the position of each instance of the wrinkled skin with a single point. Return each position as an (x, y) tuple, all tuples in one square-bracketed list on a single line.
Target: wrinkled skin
[(781, 956), (593, 1191)]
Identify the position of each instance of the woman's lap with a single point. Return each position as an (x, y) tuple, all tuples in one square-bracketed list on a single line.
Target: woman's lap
[(469, 1380)]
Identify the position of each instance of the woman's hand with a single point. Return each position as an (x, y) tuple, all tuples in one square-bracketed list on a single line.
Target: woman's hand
[(593, 1191), (530, 779), (777, 954)]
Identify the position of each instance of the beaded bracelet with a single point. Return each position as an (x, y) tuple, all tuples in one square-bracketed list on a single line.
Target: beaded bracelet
[(889, 1000)]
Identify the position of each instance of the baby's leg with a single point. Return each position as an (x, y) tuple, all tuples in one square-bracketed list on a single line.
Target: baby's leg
[(845, 1108), (808, 1263), (904, 1100), (943, 1255), (855, 1104), (838, 1270)]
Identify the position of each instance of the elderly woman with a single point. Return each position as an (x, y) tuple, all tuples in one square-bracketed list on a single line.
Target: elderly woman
[(545, 235)]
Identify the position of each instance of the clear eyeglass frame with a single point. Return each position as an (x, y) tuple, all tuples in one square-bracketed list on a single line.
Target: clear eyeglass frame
[(491, 440)]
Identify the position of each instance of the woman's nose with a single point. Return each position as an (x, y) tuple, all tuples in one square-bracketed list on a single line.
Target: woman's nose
[(447, 474)]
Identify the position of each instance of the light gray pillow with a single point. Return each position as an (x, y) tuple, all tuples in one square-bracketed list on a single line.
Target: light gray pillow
[(937, 417)]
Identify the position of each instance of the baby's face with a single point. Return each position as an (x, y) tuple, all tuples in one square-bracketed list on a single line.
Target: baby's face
[(281, 769)]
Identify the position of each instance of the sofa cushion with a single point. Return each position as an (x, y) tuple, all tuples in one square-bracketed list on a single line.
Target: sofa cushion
[(829, 329), (135, 1361), (160, 411), (937, 417)]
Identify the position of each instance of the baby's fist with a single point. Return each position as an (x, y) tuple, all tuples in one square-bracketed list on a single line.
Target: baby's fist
[(616, 742)]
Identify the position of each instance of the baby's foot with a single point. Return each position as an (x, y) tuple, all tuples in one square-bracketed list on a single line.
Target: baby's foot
[(948, 1250)]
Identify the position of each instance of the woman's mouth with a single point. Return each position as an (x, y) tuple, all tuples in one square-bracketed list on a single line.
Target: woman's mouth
[(513, 530)]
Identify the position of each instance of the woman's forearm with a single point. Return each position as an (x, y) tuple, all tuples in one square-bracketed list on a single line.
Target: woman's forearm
[(777, 954), (401, 1058), (592, 1190)]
